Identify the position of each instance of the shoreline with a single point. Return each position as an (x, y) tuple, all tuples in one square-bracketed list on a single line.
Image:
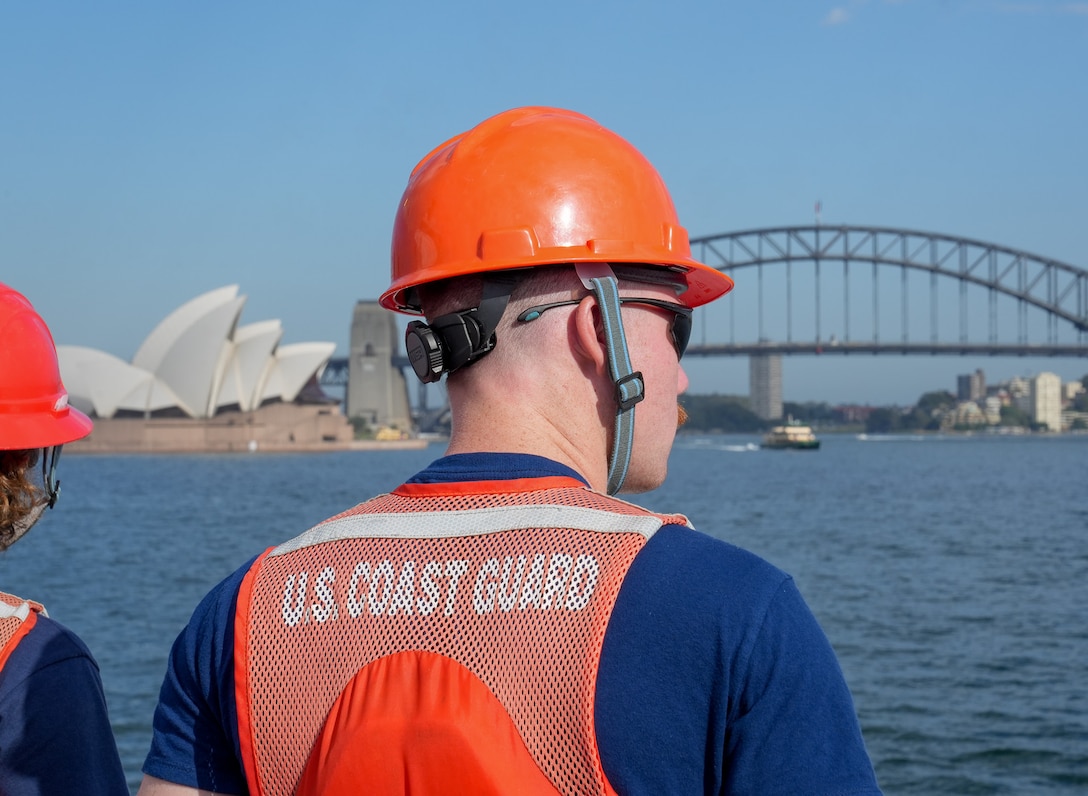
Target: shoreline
[(82, 449)]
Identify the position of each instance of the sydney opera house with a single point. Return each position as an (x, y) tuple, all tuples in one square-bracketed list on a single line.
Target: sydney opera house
[(202, 382)]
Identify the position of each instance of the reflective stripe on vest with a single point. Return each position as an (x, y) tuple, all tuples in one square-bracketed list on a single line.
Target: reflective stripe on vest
[(17, 618), (500, 600)]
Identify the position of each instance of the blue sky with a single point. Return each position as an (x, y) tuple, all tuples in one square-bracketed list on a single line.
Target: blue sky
[(154, 151)]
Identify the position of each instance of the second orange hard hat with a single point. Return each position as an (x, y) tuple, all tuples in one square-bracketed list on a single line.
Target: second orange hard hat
[(34, 410)]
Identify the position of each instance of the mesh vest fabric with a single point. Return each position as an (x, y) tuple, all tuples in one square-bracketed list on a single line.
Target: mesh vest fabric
[(513, 580), (17, 618)]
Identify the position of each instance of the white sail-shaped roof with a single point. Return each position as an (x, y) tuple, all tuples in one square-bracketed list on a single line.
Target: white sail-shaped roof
[(186, 350), (105, 384), (294, 365), (160, 342), (250, 360), (197, 360)]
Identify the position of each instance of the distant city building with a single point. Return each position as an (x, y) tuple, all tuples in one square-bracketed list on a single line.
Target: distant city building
[(852, 413), (1019, 390), (765, 385), (1046, 401), (965, 413), (1071, 389), (971, 386), (991, 407), (963, 387)]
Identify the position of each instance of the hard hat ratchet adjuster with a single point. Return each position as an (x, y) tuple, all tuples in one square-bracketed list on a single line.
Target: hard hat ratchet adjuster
[(459, 338)]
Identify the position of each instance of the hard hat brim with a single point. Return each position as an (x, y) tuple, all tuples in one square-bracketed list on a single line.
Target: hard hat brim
[(43, 430)]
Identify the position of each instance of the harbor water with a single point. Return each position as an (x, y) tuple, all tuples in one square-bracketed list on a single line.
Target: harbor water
[(950, 573)]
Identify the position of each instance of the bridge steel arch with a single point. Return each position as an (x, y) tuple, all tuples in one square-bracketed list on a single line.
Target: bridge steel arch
[(1057, 288)]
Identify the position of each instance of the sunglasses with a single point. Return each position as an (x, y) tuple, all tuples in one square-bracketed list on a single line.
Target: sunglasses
[(679, 329)]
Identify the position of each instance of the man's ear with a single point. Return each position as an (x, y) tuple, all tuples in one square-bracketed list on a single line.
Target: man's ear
[(588, 334)]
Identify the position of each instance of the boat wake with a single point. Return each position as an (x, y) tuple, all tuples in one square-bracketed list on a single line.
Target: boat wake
[(708, 445), (899, 437)]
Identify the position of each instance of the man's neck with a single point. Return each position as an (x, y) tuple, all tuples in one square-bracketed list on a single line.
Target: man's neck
[(555, 432)]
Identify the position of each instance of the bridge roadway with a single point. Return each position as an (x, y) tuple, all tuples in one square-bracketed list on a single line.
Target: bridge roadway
[(336, 372)]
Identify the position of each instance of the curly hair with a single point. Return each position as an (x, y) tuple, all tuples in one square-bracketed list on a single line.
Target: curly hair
[(18, 495)]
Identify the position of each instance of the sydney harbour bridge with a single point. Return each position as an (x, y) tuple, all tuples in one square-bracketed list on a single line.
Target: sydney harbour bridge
[(807, 290)]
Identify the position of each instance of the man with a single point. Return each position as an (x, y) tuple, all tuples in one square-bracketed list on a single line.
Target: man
[(55, 735), (499, 623)]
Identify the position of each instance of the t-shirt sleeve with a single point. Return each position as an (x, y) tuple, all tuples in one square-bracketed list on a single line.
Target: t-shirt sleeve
[(715, 677), (794, 727), (194, 738), (55, 734)]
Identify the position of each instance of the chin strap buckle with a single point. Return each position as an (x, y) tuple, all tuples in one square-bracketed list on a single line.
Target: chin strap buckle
[(630, 389)]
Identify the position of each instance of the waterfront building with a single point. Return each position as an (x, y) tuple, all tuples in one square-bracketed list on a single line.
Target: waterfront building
[(200, 381), (1073, 420), (852, 413), (966, 413), (1046, 401)]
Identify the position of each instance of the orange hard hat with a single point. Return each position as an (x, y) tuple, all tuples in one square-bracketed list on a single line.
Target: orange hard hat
[(34, 410), (537, 186)]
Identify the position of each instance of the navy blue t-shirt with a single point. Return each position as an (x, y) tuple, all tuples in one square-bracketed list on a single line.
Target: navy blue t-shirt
[(714, 675), (55, 735)]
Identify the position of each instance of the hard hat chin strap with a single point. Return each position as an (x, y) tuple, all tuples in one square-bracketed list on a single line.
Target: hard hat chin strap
[(49, 475), (630, 387)]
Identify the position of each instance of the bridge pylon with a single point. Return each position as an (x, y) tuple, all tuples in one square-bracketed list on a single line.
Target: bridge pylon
[(765, 385), (376, 389)]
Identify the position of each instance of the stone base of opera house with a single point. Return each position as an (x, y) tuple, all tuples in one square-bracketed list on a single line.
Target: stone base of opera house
[(276, 428)]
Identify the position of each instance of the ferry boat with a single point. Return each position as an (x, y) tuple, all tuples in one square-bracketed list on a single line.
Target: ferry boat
[(792, 436)]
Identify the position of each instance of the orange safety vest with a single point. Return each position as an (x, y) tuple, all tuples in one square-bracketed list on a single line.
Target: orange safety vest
[(442, 638), (17, 618)]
